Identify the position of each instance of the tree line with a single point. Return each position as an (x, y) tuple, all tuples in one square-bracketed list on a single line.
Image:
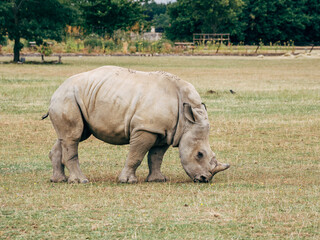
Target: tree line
[(247, 21)]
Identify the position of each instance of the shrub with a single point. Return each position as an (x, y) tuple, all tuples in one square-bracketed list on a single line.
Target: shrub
[(3, 41), (132, 49), (109, 45), (162, 46), (167, 47), (93, 41), (45, 49), (143, 45), (146, 46), (71, 45)]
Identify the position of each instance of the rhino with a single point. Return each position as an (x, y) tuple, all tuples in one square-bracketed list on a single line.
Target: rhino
[(148, 110)]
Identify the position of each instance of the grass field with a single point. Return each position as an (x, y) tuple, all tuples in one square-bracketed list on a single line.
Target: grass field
[(268, 131)]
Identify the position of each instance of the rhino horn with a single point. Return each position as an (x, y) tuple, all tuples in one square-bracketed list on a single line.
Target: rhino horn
[(220, 167)]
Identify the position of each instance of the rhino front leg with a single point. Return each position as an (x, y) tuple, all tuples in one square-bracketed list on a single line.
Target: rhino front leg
[(155, 157), (140, 143), (58, 168)]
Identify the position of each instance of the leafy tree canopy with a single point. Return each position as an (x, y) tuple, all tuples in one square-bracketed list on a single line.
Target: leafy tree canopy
[(276, 20), (33, 20), (153, 9), (207, 16), (106, 16), (161, 22), (155, 15)]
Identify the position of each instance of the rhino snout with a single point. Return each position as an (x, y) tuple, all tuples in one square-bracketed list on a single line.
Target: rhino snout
[(202, 179)]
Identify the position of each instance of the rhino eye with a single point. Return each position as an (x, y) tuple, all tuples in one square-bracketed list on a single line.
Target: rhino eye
[(200, 155)]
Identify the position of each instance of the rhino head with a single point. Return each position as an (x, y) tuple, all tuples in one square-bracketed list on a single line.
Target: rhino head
[(197, 158)]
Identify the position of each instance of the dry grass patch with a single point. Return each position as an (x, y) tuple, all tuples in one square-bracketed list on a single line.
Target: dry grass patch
[(269, 132)]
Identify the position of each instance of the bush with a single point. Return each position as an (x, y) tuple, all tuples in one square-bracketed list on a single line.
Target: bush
[(166, 47), (162, 46), (132, 49), (45, 49), (3, 41), (71, 45), (109, 45), (143, 46), (93, 41)]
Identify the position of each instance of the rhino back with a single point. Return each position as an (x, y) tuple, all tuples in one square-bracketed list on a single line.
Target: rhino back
[(117, 102)]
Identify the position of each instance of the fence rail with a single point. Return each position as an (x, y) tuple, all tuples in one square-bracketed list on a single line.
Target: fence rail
[(199, 38)]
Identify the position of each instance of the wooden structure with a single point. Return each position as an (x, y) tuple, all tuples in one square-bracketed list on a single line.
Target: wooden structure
[(183, 45), (33, 45), (203, 38)]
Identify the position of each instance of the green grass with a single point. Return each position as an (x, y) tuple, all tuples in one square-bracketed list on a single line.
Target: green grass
[(268, 131)]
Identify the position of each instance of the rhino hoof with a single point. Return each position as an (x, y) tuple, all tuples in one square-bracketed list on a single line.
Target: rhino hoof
[(77, 180), (130, 179), (133, 181), (58, 179), (156, 178), (85, 181)]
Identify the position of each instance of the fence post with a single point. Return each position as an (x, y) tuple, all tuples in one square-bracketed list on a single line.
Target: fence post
[(218, 47), (257, 49), (311, 48)]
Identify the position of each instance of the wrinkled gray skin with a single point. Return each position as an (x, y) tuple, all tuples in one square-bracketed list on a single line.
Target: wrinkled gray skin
[(148, 110)]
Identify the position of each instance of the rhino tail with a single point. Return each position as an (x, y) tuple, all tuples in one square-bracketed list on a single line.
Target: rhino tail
[(45, 116)]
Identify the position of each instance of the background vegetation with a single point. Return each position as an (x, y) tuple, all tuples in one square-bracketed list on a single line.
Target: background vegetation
[(268, 131), (248, 22)]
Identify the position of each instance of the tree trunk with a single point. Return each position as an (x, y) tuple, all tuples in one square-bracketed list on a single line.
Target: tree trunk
[(17, 45), (16, 49)]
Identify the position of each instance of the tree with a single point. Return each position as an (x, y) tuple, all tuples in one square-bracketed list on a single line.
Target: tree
[(155, 15), (274, 20), (312, 27), (203, 16), (152, 9), (106, 16), (32, 20), (161, 22)]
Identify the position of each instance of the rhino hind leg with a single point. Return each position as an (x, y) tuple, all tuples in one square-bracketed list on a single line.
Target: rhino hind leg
[(155, 157), (140, 144), (71, 161), (70, 128), (58, 168)]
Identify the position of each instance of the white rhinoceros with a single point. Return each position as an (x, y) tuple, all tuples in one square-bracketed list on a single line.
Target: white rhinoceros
[(148, 110)]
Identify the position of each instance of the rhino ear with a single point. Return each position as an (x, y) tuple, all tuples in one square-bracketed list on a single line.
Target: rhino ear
[(188, 113), (205, 107)]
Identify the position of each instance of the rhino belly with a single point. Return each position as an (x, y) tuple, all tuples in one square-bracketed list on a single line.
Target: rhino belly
[(108, 124), (111, 134)]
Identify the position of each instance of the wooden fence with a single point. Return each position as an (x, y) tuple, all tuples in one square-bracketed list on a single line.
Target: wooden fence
[(203, 38)]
